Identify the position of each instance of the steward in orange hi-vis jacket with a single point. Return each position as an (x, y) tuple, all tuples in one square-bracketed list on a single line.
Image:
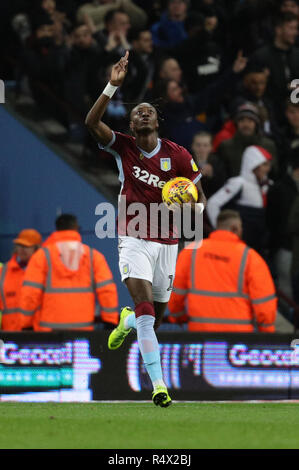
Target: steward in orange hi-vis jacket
[(223, 285), (11, 278), (63, 280)]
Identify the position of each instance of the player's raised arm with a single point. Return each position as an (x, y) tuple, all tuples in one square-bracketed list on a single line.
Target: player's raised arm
[(98, 129)]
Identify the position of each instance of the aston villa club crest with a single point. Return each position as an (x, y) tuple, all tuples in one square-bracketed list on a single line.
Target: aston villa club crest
[(165, 164)]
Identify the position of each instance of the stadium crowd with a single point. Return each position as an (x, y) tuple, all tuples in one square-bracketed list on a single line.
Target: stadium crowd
[(220, 74)]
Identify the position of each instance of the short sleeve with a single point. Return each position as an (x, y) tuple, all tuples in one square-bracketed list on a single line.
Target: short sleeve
[(187, 166), (117, 144)]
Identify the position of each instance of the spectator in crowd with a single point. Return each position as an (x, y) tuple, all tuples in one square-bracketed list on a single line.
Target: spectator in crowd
[(63, 279), (247, 194), (170, 30), (251, 24), (44, 63), (81, 75), (223, 285), (212, 169), (214, 23), (288, 137), (59, 18), (209, 9), (22, 21), (253, 89), (293, 226), (113, 38), (11, 278), (152, 8), (226, 132), (169, 69), (139, 78), (282, 59), (290, 6), (248, 125), (281, 198), (181, 112), (201, 68), (98, 9)]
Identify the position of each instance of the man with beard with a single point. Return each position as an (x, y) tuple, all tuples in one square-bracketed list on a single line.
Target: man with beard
[(248, 124)]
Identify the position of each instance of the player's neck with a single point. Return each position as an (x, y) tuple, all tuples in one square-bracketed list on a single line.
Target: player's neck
[(147, 142)]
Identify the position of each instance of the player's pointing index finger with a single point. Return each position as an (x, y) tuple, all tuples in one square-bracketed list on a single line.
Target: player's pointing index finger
[(123, 62)]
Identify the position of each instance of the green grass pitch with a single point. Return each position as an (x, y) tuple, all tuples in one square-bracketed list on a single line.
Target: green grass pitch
[(144, 426)]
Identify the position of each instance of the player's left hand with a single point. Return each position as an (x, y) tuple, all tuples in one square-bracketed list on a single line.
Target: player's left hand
[(176, 203)]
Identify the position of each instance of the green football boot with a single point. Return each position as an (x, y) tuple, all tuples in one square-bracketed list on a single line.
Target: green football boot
[(161, 397), (119, 334)]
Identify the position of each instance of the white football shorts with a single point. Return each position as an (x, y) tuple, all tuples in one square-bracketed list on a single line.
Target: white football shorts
[(152, 261)]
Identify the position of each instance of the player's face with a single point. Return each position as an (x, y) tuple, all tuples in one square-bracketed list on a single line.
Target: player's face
[(144, 119)]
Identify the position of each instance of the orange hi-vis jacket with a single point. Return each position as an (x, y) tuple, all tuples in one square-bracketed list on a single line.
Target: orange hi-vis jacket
[(223, 285), (67, 298), (11, 278)]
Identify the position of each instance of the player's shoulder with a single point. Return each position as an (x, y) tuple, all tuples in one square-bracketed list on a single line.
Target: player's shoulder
[(122, 135), (123, 138), (173, 146)]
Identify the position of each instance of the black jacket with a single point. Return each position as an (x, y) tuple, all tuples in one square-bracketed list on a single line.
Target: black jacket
[(280, 201), (180, 119), (284, 67)]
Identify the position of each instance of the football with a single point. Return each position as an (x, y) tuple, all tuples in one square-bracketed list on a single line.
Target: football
[(179, 186)]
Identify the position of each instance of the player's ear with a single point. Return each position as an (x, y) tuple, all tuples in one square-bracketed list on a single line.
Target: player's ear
[(131, 126)]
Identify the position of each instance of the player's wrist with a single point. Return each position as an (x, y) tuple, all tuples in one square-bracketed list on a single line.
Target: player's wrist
[(110, 89)]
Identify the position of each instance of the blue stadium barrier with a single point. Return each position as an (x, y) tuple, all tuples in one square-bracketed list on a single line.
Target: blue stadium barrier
[(36, 185)]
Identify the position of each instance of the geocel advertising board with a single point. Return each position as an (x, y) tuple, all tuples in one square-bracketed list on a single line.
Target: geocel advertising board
[(70, 366)]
